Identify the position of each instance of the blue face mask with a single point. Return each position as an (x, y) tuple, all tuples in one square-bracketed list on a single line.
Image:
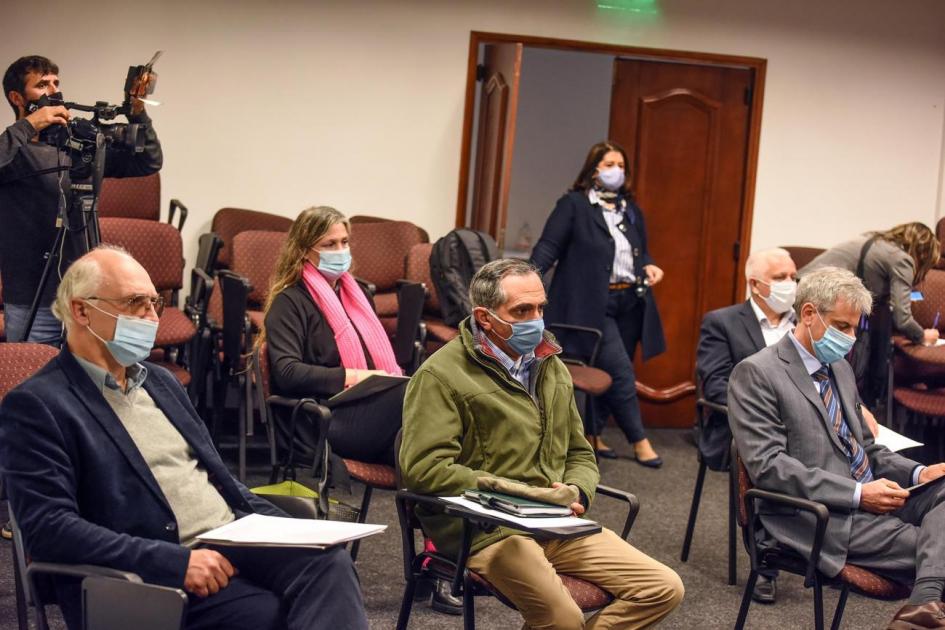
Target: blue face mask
[(611, 178), (525, 336), (333, 263), (833, 346), (133, 338)]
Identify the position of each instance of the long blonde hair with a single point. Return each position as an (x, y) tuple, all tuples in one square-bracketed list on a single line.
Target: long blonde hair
[(308, 228), (917, 240)]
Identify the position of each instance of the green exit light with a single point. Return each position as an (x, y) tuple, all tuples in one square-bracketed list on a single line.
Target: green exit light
[(631, 6)]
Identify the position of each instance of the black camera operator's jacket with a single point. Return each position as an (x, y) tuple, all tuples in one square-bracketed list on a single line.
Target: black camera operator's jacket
[(29, 203)]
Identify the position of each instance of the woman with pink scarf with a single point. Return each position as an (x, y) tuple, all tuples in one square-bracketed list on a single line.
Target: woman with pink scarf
[(323, 336)]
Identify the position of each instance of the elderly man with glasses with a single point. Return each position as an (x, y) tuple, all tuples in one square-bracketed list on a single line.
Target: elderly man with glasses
[(106, 462)]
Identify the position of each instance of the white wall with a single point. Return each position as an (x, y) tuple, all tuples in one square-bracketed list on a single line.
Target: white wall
[(284, 104), (564, 108)]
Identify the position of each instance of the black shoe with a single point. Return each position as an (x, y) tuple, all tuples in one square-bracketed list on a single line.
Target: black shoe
[(424, 589), (607, 453), (6, 532), (656, 462), (443, 600), (766, 590)]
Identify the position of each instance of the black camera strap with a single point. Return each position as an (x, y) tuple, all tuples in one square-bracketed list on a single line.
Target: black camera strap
[(36, 173)]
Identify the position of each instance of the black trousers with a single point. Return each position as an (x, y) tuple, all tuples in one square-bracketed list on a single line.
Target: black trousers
[(294, 589), (365, 429), (623, 326)]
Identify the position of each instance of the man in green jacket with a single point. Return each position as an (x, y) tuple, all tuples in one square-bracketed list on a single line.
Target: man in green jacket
[(497, 402)]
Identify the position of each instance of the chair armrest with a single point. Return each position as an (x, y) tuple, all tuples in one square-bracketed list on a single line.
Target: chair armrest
[(592, 332), (819, 510), (370, 286), (79, 570), (633, 505), (322, 416), (172, 210)]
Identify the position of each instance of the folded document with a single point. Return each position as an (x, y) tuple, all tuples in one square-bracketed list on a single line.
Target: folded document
[(259, 530)]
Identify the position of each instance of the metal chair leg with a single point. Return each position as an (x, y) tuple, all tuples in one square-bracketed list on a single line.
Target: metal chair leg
[(732, 536), (693, 511), (746, 600), (469, 606), (407, 604), (22, 619), (838, 612), (818, 604), (362, 517)]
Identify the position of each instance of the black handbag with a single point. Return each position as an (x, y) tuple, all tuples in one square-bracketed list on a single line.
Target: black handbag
[(872, 351)]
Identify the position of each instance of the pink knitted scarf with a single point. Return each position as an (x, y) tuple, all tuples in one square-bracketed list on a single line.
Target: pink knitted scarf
[(350, 315)]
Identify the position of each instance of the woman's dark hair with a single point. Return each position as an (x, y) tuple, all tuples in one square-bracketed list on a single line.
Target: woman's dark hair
[(917, 240), (585, 178)]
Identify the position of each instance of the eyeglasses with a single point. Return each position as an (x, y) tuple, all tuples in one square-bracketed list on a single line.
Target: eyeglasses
[(137, 304)]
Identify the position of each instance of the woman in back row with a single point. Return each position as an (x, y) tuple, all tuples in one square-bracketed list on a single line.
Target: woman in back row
[(323, 337)]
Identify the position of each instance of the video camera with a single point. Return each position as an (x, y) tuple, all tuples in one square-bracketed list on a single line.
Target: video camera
[(80, 135)]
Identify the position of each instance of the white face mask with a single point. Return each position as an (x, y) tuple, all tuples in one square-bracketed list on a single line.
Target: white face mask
[(781, 298)]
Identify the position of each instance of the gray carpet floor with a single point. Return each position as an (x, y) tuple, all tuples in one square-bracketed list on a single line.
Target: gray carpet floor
[(665, 496)]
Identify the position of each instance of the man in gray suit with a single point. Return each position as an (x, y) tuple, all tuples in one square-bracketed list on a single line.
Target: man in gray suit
[(798, 425)]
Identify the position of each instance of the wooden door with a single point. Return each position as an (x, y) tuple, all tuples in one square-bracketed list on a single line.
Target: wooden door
[(685, 128), (500, 71)]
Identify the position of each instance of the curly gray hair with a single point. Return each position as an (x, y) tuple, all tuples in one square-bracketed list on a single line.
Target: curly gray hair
[(826, 286), (485, 289)]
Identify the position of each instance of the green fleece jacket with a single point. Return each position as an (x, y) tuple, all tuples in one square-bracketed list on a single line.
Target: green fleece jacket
[(465, 417)]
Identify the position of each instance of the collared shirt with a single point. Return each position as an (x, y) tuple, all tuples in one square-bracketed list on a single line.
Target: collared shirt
[(772, 334), (135, 376), (519, 369), (813, 364), (622, 270)]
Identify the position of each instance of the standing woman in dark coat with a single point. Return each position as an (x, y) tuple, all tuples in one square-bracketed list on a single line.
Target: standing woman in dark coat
[(603, 278)]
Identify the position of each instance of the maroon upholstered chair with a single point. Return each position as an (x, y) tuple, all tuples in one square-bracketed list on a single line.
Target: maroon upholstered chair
[(803, 255), (254, 256), (380, 253), (19, 361), (228, 222), (774, 556), (137, 198), (363, 218), (418, 270), (158, 247)]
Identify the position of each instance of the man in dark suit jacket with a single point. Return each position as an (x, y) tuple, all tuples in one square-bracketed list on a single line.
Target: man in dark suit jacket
[(797, 421), (106, 462), (733, 333)]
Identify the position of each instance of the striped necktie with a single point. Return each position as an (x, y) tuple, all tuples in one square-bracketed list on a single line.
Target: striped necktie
[(859, 463)]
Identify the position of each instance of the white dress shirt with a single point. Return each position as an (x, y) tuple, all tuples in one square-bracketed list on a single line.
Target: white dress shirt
[(772, 334), (622, 270)]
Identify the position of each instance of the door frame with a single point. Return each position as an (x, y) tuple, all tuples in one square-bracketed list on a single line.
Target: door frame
[(756, 65)]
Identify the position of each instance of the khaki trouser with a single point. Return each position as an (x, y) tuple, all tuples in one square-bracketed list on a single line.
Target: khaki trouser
[(526, 572)]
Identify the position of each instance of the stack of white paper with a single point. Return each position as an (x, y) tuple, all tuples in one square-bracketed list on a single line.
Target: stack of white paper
[(259, 530), (526, 523)]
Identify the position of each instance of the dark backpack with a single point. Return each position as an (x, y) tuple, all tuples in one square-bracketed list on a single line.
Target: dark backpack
[(454, 260)]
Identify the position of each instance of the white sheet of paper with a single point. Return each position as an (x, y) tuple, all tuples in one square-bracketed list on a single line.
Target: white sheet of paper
[(894, 441), (525, 523), (262, 530), (940, 342)]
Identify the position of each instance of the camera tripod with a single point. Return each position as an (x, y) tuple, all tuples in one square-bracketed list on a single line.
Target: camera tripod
[(77, 220)]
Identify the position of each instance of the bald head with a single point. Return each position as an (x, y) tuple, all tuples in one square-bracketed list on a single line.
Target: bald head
[(106, 271), (759, 263)]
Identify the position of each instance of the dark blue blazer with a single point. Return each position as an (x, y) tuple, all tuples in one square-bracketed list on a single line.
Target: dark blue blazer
[(727, 336), (577, 239), (81, 491)]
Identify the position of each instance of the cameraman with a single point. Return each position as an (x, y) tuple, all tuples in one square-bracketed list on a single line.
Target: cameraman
[(35, 185)]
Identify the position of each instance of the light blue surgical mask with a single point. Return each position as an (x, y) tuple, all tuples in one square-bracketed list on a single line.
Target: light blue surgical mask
[(611, 178), (833, 346), (525, 336), (133, 338), (334, 262)]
